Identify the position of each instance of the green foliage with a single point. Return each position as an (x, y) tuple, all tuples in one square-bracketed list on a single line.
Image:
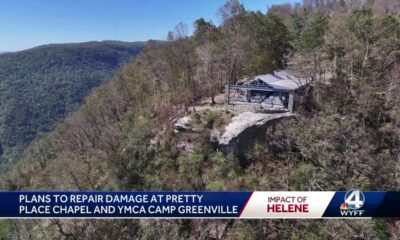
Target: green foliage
[(213, 119), (301, 177), (380, 227), (205, 32), (216, 185), (42, 85), (4, 229), (268, 41), (223, 165), (312, 35), (361, 24), (190, 170), (133, 156)]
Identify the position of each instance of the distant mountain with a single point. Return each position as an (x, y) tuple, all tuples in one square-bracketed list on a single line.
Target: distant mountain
[(41, 85)]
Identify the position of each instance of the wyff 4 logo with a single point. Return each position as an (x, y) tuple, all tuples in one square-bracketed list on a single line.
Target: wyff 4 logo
[(353, 201)]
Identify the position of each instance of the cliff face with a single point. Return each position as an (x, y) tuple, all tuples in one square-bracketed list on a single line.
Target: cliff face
[(245, 129), (237, 135)]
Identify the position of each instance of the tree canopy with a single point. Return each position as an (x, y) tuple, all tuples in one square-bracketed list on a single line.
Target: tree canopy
[(42, 85)]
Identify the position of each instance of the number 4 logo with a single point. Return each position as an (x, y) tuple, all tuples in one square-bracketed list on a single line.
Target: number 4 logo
[(354, 199)]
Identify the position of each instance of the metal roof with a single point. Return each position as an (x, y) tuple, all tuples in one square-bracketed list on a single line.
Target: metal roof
[(281, 79)]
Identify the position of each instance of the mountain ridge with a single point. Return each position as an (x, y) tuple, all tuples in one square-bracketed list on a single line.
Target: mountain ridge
[(41, 85)]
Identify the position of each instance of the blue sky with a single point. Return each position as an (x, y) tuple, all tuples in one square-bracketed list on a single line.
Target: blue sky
[(28, 23)]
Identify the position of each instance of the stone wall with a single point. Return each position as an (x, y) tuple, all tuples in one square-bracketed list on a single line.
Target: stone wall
[(252, 107)]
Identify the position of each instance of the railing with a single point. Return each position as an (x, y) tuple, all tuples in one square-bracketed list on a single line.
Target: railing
[(256, 87)]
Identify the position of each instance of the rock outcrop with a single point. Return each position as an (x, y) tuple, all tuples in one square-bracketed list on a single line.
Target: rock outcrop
[(243, 130), (182, 124)]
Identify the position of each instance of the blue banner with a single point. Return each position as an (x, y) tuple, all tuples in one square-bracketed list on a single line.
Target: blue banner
[(199, 204), (122, 204)]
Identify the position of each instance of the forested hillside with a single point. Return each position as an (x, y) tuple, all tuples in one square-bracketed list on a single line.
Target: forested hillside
[(42, 85), (345, 135)]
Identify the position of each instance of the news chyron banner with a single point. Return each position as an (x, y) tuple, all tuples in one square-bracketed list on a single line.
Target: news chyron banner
[(208, 204)]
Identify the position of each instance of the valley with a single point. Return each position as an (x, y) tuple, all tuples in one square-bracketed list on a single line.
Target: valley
[(41, 86)]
